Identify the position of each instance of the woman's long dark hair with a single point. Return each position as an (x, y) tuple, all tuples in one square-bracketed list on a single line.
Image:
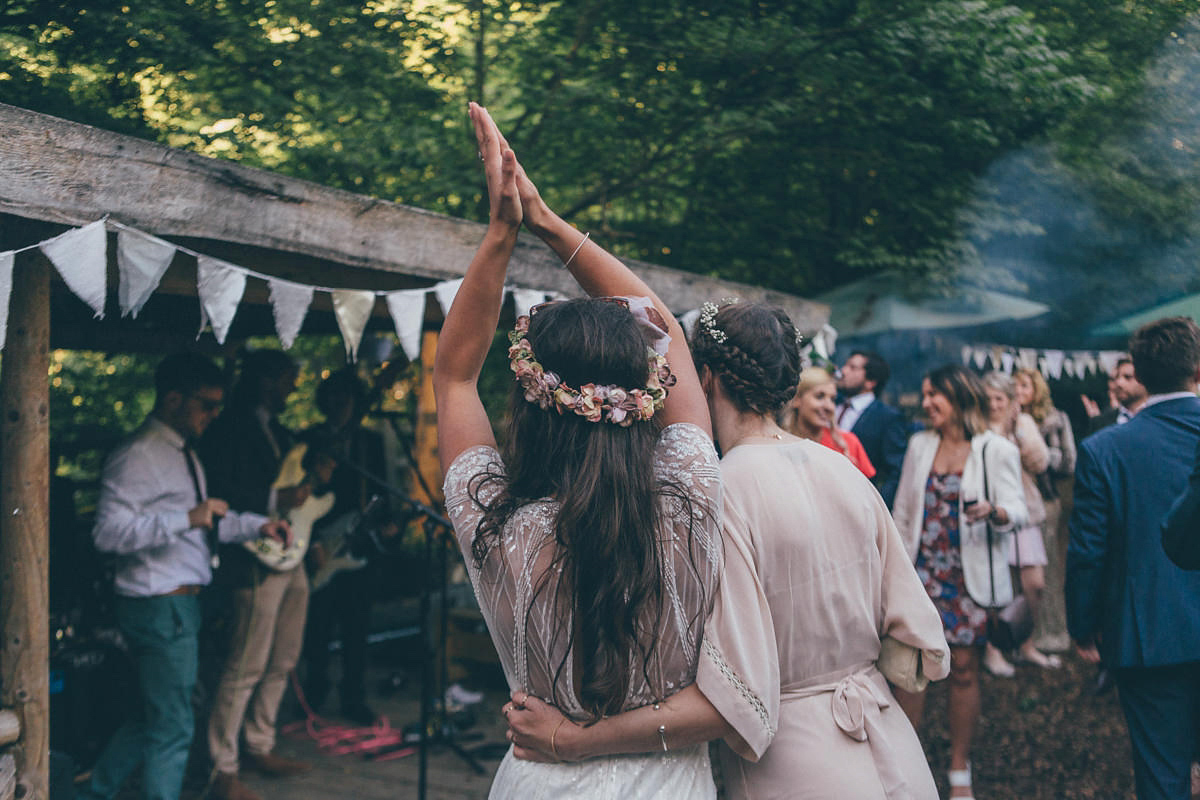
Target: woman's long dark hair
[(608, 529)]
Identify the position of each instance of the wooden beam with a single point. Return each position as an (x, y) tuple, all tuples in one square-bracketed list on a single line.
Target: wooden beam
[(24, 522), (64, 172)]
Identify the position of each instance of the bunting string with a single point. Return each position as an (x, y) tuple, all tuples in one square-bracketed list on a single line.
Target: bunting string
[(80, 256), (1053, 364)]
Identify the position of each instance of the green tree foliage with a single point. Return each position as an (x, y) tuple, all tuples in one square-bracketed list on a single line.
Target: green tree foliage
[(794, 144)]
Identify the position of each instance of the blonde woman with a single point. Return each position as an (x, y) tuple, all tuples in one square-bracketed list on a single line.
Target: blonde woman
[(1028, 551), (809, 415)]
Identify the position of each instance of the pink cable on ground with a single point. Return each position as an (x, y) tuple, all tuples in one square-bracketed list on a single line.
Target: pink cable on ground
[(341, 740)]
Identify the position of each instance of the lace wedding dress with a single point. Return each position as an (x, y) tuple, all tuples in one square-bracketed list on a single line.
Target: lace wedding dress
[(530, 637)]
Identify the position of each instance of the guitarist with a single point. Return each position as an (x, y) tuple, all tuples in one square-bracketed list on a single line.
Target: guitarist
[(344, 604), (161, 522), (242, 452)]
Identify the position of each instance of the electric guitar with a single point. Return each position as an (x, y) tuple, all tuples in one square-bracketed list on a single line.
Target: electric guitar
[(274, 554), (346, 539)]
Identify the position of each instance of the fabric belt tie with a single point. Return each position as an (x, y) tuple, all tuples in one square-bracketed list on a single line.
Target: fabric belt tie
[(857, 696)]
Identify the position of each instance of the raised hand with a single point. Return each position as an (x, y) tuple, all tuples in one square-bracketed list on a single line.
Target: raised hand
[(500, 166)]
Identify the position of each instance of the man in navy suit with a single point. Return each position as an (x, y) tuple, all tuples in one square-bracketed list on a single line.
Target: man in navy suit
[(880, 428), (1126, 601)]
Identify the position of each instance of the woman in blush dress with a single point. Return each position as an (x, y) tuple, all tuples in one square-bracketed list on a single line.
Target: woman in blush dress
[(811, 549), (1033, 394), (1028, 550), (810, 415), (944, 514), (592, 541)]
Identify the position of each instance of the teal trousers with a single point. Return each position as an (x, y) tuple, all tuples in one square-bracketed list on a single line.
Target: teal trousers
[(162, 636)]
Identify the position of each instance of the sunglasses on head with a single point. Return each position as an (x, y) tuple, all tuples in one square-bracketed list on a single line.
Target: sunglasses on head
[(620, 301)]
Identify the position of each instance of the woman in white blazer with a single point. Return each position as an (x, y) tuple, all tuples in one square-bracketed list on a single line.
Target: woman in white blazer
[(942, 512)]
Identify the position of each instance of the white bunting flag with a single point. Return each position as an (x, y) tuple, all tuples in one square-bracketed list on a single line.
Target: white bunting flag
[(6, 271), (352, 309), (965, 354), (525, 299), (289, 303), (1084, 363), (1108, 360), (1055, 361), (825, 341), (1027, 358), (141, 262), (1007, 360), (408, 316), (220, 286), (80, 256), (688, 320), (979, 356), (445, 292)]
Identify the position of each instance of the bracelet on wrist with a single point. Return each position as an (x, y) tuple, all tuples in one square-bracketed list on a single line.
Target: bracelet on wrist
[(553, 736)]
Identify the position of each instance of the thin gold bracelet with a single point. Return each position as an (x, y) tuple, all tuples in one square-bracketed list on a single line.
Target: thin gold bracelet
[(553, 736), (574, 253)]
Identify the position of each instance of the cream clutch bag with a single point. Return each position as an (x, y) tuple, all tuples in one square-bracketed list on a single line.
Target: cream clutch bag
[(900, 663)]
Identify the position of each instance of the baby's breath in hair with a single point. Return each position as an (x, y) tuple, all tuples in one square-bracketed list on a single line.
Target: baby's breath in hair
[(708, 319)]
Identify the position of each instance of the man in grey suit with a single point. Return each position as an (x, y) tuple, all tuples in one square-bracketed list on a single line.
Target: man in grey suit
[(1126, 601)]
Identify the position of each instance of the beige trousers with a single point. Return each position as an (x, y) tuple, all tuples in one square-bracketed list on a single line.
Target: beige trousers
[(268, 632)]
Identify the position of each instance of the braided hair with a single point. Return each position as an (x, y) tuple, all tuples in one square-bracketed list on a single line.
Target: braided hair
[(754, 354)]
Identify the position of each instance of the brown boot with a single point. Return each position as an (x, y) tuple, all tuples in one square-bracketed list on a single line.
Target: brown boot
[(275, 766), (226, 786)]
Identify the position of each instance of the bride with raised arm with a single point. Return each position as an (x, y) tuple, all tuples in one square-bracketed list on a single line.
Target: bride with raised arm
[(592, 541)]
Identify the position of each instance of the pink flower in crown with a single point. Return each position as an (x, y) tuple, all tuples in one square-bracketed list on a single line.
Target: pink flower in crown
[(644, 403), (590, 403), (564, 398)]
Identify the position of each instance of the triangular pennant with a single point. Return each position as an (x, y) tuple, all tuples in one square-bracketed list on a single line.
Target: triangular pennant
[(408, 316), (825, 341), (445, 292), (1007, 360), (1027, 358), (1054, 363), (352, 309), (688, 320), (6, 271), (1085, 363), (979, 356), (81, 257), (141, 261), (1069, 366), (965, 354), (1108, 360), (220, 286), (525, 299), (289, 303)]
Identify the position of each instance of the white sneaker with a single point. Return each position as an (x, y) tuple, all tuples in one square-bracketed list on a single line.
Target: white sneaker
[(457, 695)]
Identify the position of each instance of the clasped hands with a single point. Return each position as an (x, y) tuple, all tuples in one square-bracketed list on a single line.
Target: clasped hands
[(538, 731)]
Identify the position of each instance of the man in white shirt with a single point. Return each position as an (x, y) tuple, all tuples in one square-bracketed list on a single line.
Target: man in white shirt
[(155, 516)]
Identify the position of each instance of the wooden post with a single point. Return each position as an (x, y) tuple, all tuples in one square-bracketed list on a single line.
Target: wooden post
[(24, 522), (426, 452)]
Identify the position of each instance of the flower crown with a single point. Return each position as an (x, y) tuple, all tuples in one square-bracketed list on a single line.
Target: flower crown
[(594, 403)]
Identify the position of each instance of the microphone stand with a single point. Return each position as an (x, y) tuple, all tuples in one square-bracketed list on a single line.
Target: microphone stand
[(433, 731)]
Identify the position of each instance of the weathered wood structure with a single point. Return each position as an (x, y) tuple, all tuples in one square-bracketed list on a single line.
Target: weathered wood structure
[(56, 174)]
